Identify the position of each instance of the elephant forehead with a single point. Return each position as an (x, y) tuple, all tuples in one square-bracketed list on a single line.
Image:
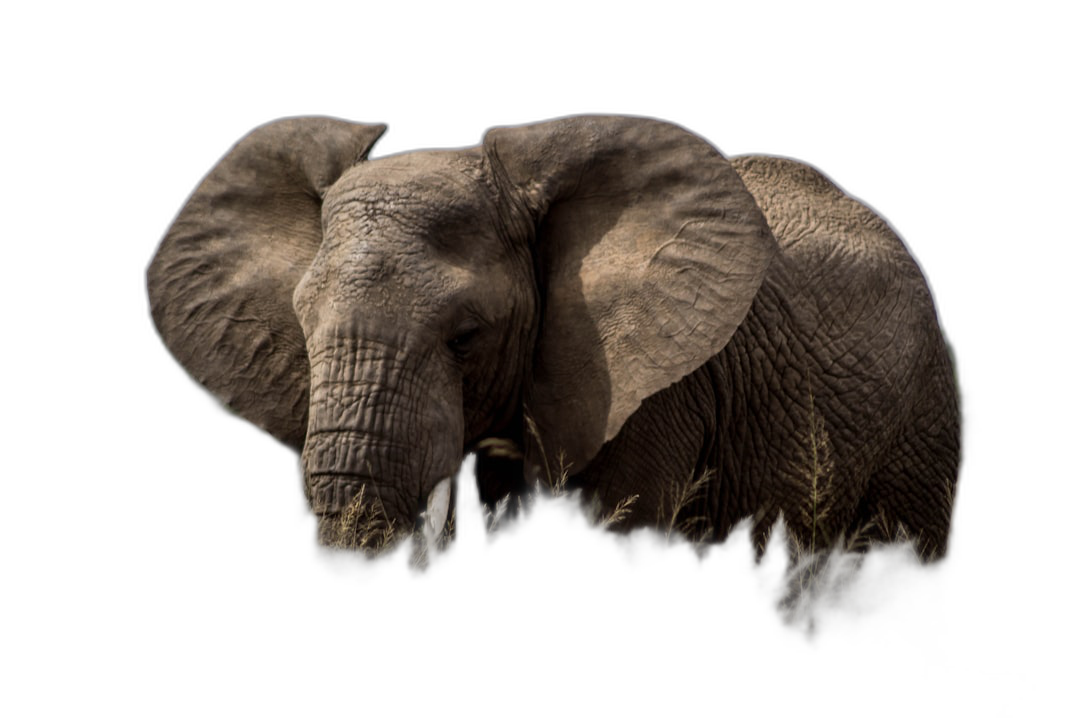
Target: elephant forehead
[(399, 276), (416, 192), (377, 208)]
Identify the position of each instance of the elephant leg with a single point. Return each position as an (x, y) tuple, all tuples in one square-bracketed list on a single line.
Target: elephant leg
[(911, 497), (655, 473)]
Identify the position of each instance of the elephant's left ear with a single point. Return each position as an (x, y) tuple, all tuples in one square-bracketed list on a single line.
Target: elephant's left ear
[(650, 250)]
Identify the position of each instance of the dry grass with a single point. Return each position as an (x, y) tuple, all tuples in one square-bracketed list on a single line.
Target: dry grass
[(673, 516), (822, 568), (363, 532)]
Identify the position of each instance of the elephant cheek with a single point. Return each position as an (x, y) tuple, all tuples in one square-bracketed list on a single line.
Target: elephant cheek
[(383, 437)]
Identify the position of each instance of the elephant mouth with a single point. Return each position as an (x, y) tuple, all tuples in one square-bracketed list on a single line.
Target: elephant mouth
[(333, 492)]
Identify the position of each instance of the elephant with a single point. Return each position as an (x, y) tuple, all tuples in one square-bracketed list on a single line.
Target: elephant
[(603, 303)]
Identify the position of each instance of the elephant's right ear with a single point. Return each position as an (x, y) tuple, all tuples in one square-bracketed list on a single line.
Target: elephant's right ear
[(222, 281)]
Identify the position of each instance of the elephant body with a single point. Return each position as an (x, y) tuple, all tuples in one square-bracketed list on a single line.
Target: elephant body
[(847, 424), (690, 340)]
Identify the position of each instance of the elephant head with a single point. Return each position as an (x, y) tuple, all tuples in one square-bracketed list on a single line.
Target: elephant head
[(386, 315)]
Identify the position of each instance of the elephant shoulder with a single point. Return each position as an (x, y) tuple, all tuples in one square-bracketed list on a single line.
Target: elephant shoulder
[(839, 246), (811, 217), (844, 264)]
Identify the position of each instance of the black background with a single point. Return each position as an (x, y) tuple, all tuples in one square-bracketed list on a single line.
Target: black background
[(219, 537)]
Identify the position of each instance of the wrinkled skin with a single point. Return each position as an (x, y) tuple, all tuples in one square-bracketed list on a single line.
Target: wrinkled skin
[(398, 390), (698, 340)]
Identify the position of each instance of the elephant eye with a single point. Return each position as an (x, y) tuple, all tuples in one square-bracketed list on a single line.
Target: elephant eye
[(464, 340)]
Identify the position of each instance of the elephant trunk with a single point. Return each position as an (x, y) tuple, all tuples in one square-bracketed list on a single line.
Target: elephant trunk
[(383, 444)]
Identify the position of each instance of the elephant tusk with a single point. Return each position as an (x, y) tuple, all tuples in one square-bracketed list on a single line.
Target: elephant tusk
[(471, 524), (438, 507)]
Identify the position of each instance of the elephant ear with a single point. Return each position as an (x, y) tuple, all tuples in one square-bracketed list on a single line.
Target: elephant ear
[(649, 251), (222, 281)]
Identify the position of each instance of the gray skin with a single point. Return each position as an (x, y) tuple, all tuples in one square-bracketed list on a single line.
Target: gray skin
[(610, 293)]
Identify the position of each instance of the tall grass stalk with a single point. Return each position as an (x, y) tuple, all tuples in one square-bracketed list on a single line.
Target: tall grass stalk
[(817, 471), (680, 497)]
